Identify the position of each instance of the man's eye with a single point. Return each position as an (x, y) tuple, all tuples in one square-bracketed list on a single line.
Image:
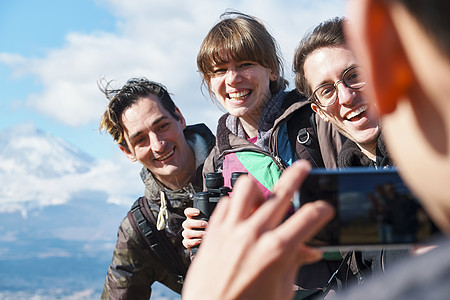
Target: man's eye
[(326, 91), (353, 77), (140, 141)]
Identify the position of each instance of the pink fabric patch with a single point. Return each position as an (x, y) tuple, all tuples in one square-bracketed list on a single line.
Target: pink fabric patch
[(252, 140), (231, 164)]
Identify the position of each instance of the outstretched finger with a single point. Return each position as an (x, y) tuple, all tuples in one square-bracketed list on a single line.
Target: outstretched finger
[(305, 223), (275, 208), (246, 197)]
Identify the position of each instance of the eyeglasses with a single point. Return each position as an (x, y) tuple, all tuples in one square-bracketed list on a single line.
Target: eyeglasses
[(326, 94)]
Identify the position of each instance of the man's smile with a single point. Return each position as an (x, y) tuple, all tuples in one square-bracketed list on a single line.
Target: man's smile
[(166, 156), (356, 113)]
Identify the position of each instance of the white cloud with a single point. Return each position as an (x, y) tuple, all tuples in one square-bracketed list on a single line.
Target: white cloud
[(156, 39), (25, 191), (54, 253), (39, 169)]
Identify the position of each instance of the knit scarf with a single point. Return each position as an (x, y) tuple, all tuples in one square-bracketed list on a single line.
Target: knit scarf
[(265, 127)]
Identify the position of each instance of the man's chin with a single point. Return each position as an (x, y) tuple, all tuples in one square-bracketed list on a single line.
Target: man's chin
[(365, 136), (163, 169), (167, 169)]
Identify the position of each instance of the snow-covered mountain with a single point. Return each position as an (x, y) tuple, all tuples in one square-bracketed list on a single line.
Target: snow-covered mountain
[(38, 169), (26, 149), (59, 214)]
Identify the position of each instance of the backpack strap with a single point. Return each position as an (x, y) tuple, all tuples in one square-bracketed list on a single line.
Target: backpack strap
[(307, 138), (303, 131), (316, 294), (143, 221), (342, 268)]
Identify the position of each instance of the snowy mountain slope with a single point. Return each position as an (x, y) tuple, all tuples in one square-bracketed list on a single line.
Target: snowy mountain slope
[(37, 169), (59, 216), (26, 149)]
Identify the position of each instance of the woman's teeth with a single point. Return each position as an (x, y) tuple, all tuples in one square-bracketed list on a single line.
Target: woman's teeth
[(239, 95)]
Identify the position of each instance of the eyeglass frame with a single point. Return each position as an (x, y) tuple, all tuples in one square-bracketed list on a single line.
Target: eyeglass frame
[(314, 99)]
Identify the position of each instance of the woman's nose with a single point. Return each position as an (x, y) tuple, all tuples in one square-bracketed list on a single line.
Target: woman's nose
[(232, 77)]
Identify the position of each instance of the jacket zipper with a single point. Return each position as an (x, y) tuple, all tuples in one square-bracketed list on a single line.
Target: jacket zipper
[(275, 143)]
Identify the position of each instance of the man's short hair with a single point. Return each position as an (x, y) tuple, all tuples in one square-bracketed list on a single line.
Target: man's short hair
[(327, 34), (121, 99)]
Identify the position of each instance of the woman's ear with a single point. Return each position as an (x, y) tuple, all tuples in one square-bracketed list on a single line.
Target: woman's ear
[(273, 76), (375, 40)]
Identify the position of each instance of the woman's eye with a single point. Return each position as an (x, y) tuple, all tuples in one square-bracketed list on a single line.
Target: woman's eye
[(219, 71), (140, 140), (247, 64)]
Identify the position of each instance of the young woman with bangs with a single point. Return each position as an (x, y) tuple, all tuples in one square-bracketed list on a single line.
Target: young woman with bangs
[(265, 128)]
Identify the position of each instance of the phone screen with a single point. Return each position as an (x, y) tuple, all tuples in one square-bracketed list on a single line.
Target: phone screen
[(373, 207)]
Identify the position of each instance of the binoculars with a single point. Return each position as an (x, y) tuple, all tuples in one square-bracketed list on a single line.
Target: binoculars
[(215, 190)]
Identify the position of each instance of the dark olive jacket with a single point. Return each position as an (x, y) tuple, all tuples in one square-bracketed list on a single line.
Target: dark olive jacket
[(134, 266)]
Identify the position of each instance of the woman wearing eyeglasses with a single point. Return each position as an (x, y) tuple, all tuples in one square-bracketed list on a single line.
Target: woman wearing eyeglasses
[(327, 72)]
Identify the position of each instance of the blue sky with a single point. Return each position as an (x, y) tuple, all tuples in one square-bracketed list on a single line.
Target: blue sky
[(52, 53), (32, 29)]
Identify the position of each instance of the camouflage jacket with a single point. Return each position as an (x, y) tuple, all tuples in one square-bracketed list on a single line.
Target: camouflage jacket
[(134, 266)]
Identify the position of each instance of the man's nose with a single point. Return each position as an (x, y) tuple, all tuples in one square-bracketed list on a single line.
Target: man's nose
[(157, 143), (345, 94)]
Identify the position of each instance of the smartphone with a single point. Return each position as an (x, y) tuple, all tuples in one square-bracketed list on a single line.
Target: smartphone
[(373, 207)]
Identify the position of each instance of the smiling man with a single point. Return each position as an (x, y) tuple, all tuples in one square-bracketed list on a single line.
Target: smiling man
[(328, 73), (150, 129)]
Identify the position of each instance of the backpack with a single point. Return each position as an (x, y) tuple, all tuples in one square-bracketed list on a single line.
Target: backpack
[(143, 221), (301, 128)]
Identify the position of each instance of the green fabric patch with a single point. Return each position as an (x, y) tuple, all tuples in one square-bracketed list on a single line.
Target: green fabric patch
[(261, 166)]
